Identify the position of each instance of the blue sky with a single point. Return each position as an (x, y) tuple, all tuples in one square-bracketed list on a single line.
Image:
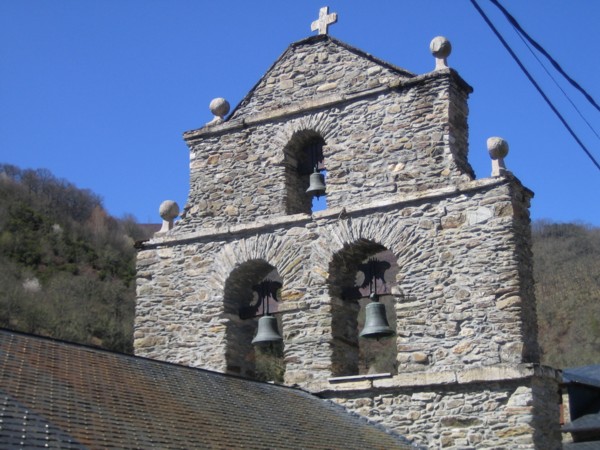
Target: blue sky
[(100, 91)]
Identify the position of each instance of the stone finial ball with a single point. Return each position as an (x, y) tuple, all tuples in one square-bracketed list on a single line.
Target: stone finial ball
[(219, 107), (168, 210), (440, 47), (497, 147)]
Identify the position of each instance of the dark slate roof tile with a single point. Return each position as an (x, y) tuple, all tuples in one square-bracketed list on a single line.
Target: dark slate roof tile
[(81, 397), (592, 445), (22, 428), (589, 422), (589, 375)]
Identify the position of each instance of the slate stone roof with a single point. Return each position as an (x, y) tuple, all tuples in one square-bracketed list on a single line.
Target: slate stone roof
[(583, 385), (588, 375), (581, 446), (589, 422), (55, 394)]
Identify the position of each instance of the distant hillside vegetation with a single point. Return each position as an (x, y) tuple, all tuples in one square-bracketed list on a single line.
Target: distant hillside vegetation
[(567, 274), (67, 268)]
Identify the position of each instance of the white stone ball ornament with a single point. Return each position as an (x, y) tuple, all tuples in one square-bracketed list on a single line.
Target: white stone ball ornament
[(219, 107), (440, 48), (168, 211), (497, 149)]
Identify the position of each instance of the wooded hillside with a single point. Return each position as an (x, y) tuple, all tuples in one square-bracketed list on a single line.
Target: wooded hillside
[(67, 270), (567, 273)]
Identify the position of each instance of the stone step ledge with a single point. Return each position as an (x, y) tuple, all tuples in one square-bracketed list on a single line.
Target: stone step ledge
[(327, 101), (215, 233), (498, 373)]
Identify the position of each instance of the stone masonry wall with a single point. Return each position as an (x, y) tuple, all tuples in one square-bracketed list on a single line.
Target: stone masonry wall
[(315, 67), (400, 139), (458, 135), (398, 179), (459, 298), (522, 236), (501, 414), (459, 302)]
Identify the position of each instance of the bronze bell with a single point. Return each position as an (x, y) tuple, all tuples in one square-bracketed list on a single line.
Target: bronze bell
[(316, 186), (376, 324), (267, 331)]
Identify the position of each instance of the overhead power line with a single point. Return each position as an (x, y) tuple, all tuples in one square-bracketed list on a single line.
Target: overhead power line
[(532, 80), (559, 87), (541, 49), (529, 42)]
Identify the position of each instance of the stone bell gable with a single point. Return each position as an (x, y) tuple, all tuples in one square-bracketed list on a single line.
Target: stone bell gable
[(454, 253), (383, 131), (317, 67)]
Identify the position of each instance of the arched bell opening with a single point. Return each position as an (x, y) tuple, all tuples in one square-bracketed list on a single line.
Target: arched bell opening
[(305, 172), (252, 294), (360, 281)]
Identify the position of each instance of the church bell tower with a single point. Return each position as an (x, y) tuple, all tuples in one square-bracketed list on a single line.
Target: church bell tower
[(407, 296)]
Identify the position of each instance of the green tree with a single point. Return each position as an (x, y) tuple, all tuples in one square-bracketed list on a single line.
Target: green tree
[(66, 266), (567, 274)]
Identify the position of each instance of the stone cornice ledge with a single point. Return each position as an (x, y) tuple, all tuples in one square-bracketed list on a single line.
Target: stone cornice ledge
[(400, 199), (174, 238), (318, 103), (487, 374)]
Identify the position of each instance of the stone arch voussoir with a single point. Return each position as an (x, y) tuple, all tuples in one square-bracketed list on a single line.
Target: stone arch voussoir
[(322, 123), (402, 241), (277, 251)]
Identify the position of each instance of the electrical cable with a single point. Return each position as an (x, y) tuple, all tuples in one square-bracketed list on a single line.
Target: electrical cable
[(528, 75), (540, 49), (526, 43)]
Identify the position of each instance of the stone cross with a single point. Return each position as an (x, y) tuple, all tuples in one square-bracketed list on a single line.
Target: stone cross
[(325, 19)]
